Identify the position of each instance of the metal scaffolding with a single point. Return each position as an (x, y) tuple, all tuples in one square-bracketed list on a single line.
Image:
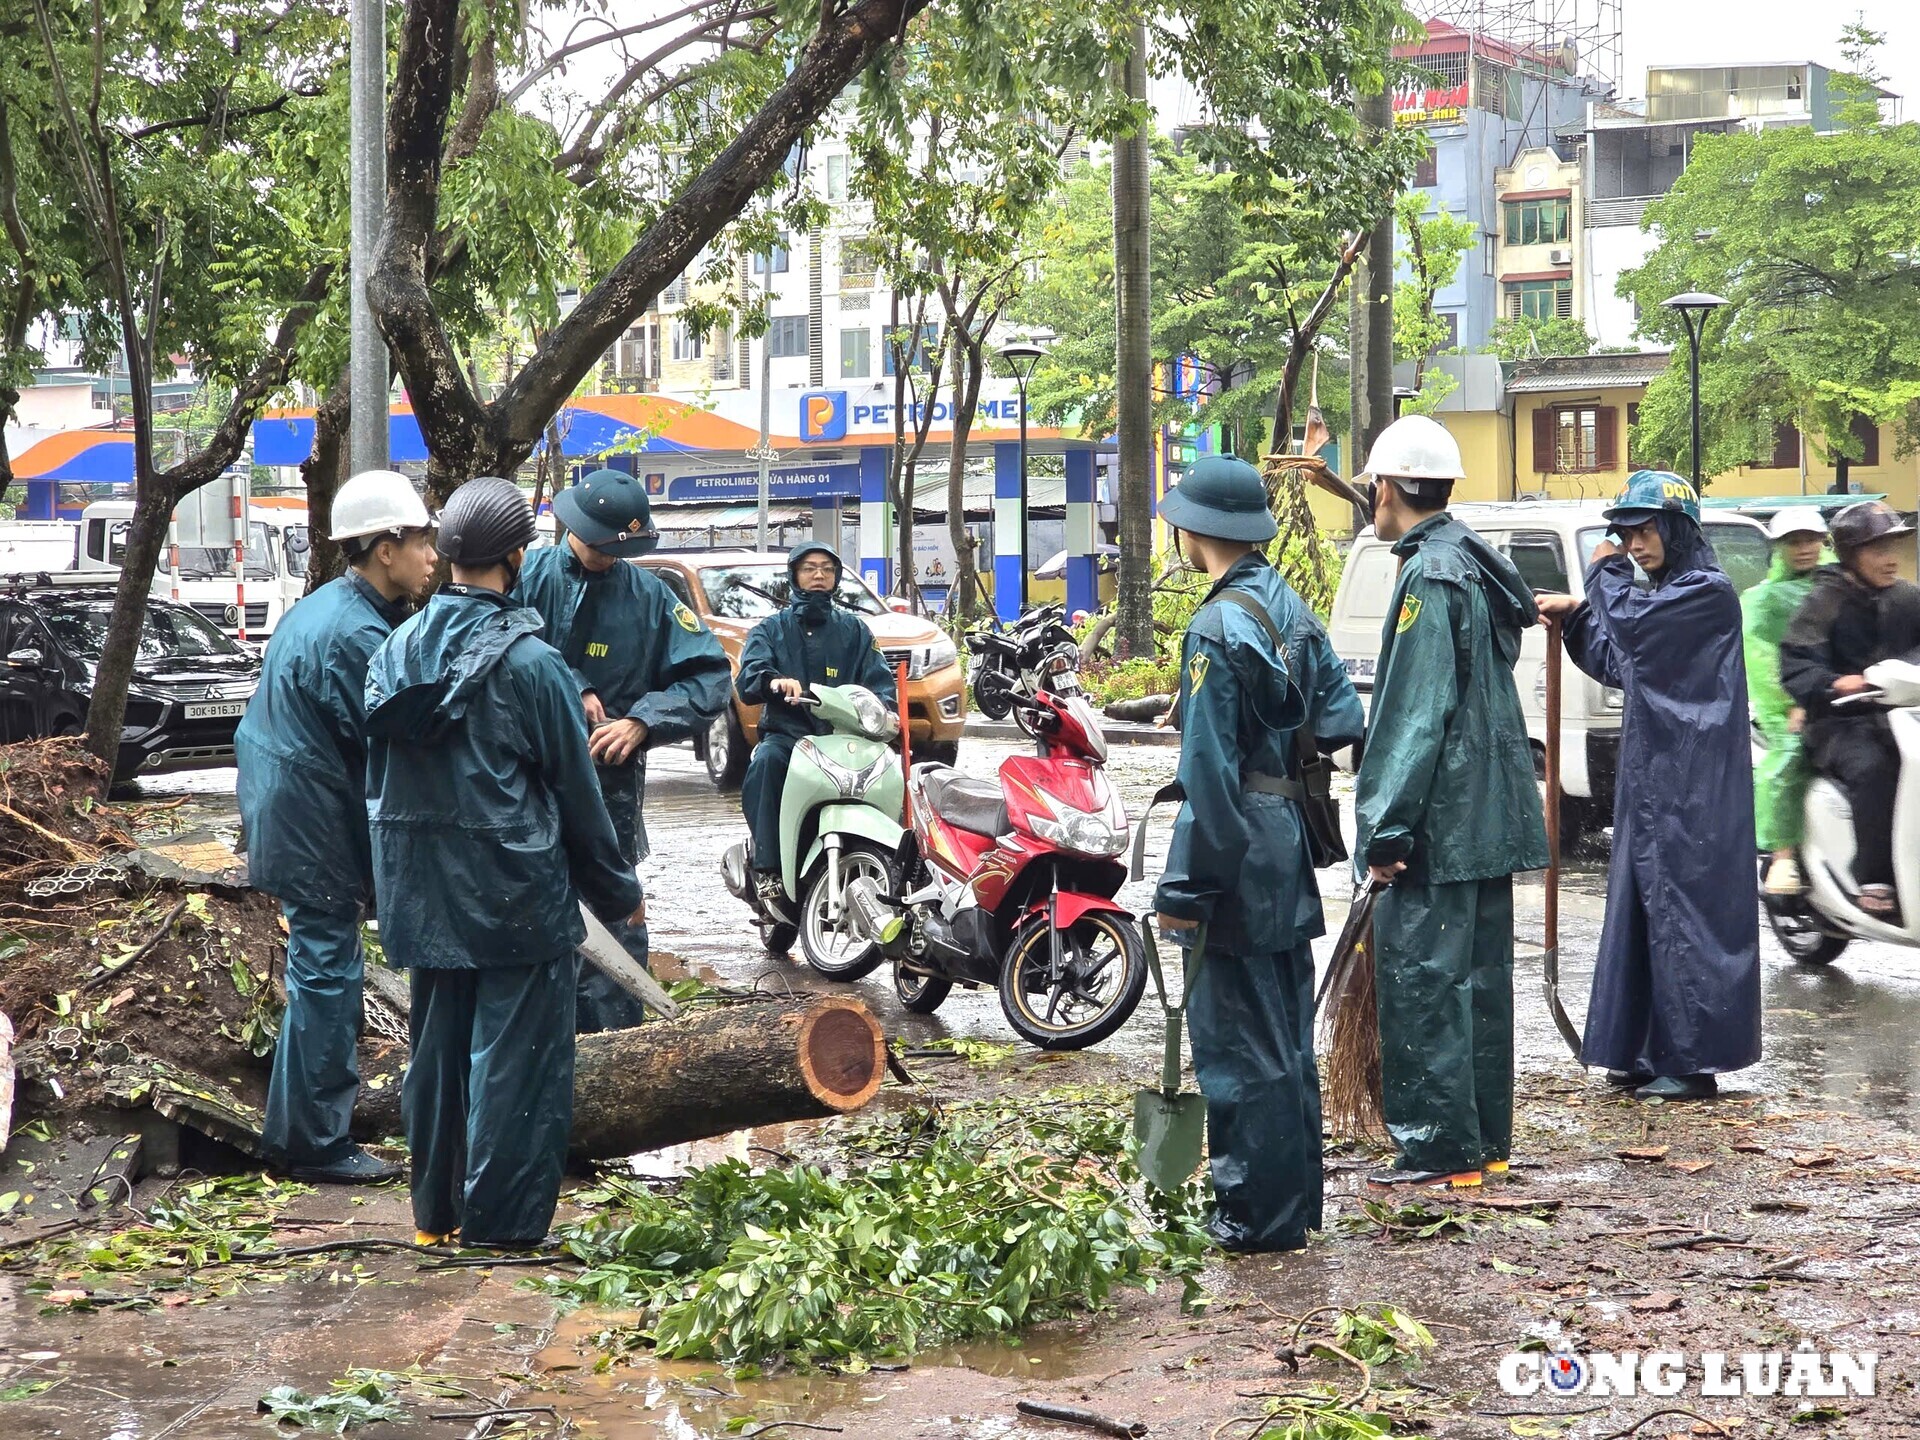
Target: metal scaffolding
[(1581, 37)]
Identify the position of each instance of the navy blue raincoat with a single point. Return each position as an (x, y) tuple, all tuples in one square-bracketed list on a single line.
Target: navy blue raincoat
[(488, 827), (301, 749), (1676, 987), (817, 642)]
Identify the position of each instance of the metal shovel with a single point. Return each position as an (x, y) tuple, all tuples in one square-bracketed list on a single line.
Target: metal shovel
[(1550, 959), (1170, 1126)]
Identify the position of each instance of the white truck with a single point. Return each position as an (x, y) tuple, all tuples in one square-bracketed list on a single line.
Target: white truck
[(276, 562), (1550, 543)]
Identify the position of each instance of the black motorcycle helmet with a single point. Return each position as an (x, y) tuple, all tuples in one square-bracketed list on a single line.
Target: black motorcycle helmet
[(485, 521), (1860, 525)]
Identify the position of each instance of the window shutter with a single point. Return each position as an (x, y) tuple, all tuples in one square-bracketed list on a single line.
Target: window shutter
[(1868, 434), (1543, 441), (1786, 449), (1606, 438), (1563, 300)]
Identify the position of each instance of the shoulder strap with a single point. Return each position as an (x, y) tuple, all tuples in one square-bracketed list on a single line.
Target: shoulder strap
[(1306, 746), (1259, 612), (1254, 608)]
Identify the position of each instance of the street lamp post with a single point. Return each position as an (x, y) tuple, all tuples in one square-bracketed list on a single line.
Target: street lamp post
[(1694, 306), (1022, 353)]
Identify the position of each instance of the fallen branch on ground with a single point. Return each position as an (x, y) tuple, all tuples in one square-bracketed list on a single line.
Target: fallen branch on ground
[(166, 929), (1715, 1425), (1086, 1419)]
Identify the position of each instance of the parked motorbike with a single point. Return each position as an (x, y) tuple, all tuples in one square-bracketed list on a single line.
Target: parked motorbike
[(1821, 921), (1014, 660), (1010, 883), (839, 822)]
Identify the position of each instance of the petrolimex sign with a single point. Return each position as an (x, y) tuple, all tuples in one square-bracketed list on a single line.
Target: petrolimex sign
[(823, 416), (829, 416)]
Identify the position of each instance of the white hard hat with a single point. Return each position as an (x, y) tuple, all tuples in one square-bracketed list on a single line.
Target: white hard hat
[(1796, 520), (1415, 447), (378, 502)]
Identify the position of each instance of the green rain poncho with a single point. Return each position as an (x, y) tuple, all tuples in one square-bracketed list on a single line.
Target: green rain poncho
[(1780, 777)]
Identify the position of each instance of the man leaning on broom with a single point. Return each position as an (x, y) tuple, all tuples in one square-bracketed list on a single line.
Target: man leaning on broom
[(1255, 668), (1447, 812)]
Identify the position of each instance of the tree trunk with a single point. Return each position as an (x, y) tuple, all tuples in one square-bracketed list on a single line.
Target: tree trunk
[(467, 437), (324, 472), (1133, 362), (146, 537), (725, 1068), (968, 365), (1371, 336)]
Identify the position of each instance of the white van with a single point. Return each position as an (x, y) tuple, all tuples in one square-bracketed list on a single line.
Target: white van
[(1549, 542)]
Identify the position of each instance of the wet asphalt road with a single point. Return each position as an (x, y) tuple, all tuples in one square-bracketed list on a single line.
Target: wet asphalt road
[(1846, 1036)]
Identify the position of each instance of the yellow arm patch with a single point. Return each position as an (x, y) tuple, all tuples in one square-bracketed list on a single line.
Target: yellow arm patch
[(1197, 673), (1409, 613), (688, 621)]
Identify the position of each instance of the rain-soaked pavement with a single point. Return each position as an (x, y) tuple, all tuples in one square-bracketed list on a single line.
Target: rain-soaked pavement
[(1843, 1039), (1844, 1035)]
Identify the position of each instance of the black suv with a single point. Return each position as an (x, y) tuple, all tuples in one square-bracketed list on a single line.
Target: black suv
[(190, 683)]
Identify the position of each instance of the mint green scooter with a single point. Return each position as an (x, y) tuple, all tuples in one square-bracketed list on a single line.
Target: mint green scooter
[(840, 816)]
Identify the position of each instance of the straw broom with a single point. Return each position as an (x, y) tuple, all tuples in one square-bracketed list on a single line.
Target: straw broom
[(1350, 1097)]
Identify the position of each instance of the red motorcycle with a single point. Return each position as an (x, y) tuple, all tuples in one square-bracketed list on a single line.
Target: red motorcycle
[(1011, 885)]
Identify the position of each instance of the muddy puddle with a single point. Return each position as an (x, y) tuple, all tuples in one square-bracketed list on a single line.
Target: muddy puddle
[(647, 1399)]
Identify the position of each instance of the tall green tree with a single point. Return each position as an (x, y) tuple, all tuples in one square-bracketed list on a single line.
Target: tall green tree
[(171, 149), (1249, 284), (953, 179), (1434, 244), (1814, 241)]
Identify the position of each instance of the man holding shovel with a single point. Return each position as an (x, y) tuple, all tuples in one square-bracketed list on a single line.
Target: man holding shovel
[(1447, 812), (1255, 665)]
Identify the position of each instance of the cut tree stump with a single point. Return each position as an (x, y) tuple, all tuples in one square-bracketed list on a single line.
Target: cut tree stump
[(734, 1067), (715, 1070)]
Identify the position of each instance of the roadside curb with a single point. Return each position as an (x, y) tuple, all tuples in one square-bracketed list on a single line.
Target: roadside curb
[(1117, 732)]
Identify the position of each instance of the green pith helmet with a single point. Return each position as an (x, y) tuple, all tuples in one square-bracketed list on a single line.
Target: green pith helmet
[(610, 512), (1223, 497), (1649, 492)]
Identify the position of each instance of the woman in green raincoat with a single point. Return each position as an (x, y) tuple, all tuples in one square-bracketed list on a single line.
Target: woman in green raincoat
[(1780, 778)]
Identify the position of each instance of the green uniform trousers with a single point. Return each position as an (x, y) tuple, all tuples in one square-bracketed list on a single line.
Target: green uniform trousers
[(488, 1099), (1444, 957), (1251, 1017), (316, 1071), (599, 1003)]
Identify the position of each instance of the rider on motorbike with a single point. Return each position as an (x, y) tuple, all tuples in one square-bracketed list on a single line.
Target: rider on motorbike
[(812, 641), (1860, 612), (1799, 535)]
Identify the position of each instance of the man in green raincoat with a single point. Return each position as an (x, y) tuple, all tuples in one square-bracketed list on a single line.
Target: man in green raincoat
[(1447, 812), (1255, 667), (1799, 535)]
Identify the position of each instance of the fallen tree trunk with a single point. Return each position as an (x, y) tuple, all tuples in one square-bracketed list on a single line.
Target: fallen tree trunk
[(719, 1069), (1143, 711)]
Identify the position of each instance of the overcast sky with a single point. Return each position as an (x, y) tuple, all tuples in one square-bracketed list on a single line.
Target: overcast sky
[(1665, 32)]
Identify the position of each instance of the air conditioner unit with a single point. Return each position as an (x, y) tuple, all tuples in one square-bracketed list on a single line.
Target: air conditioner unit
[(1560, 256)]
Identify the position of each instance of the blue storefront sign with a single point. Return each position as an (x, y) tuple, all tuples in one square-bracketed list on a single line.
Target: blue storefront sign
[(785, 482)]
